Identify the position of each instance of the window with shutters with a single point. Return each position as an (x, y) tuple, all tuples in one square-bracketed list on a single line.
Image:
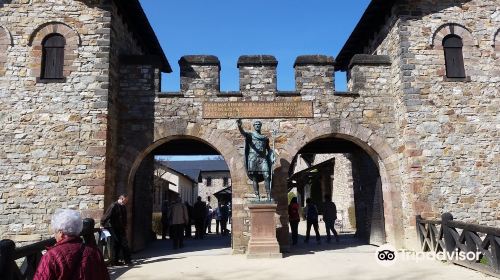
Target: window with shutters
[(53, 57), (209, 181), (453, 56)]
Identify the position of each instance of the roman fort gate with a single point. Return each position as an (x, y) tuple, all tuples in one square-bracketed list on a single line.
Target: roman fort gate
[(428, 144)]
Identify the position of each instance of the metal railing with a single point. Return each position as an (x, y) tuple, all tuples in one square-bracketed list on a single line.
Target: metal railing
[(454, 237), (32, 254)]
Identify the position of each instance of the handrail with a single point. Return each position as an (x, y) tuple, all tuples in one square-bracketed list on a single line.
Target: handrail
[(484, 241), (32, 253)]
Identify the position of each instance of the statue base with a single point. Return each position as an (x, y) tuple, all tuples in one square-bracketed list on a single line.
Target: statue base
[(263, 242)]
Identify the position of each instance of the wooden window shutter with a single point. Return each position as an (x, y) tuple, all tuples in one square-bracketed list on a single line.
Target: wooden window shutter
[(53, 57), (453, 56)]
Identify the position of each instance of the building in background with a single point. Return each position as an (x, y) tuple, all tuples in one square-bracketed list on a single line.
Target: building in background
[(212, 176)]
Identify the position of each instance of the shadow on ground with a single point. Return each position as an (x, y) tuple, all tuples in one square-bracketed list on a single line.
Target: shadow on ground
[(161, 251), (346, 241)]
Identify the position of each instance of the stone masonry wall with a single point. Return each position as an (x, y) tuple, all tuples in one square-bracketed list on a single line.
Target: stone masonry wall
[(453, 124), (53, 135), (449, 127)]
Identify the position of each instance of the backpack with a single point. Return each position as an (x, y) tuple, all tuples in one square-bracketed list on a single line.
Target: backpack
[(312, 213)]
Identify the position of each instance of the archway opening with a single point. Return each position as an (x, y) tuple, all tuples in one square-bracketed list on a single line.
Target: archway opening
[(349, 175), (184, 168)]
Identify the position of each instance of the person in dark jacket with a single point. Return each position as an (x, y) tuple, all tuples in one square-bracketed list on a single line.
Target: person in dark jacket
[(164, 219), (200, 216), (294, 219), (188, 225), (329, 216), (115, 220), (70, 259), (312, 220), (224, 213)]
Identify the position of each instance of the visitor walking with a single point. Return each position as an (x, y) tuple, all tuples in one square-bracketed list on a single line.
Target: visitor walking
[(218, 218), (115, 221), (224, 215), (70, 258), (200, 217), (164, 219), (312, 220), (187, 227), (178, 218), (294, 219), (210, 216), (329, 217)]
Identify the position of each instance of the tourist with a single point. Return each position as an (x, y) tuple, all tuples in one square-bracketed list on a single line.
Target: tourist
[(312, 220), (329, 217), (187, 227), (210, 216), (115, 221), (218, 218), (178, 219), (164, 219), (294, 219), (224, 215), (200, 218), (70, 258)]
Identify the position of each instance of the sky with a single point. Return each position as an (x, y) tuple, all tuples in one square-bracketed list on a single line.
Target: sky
[(231, 28)]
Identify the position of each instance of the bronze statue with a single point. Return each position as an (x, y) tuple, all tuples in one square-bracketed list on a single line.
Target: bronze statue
[(259, 157)]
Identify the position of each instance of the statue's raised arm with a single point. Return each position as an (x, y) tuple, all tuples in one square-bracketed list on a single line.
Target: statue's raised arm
[(240, 127)]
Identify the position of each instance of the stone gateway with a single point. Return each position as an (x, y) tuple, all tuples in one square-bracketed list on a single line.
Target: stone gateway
[(419, 125)]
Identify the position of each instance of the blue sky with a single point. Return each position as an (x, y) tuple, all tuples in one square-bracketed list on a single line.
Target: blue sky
[(230, 28)]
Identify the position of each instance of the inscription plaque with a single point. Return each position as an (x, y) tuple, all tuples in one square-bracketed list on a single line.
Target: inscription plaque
[(258, 109)]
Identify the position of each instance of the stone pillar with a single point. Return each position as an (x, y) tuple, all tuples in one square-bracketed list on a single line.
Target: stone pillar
[(263, 242), (257, 74), (200, 75), (368, 72), (314, 74)]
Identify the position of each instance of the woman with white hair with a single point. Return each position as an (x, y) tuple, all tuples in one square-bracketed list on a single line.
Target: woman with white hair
[(70, 258)]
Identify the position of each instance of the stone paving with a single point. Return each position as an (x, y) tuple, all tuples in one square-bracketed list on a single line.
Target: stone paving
[(349, 259)]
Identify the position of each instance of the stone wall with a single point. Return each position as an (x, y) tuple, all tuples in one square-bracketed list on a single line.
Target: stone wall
[(448, 127), (53, 135)]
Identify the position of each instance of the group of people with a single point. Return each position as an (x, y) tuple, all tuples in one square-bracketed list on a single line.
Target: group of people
[(311, 216), (177, 219)]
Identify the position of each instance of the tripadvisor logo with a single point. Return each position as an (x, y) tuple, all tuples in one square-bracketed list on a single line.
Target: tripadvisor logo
[(387, 255)]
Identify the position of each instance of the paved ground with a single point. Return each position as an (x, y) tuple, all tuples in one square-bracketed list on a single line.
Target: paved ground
[(211, 259)]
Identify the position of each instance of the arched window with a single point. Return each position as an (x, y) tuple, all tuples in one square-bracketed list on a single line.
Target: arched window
[(453, 56), (53, 57)]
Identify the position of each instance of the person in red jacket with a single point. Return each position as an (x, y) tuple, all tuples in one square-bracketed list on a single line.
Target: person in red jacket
[(294, 219), (70, 258)]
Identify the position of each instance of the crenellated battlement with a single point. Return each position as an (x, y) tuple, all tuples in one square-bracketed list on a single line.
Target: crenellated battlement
[(314, 74)]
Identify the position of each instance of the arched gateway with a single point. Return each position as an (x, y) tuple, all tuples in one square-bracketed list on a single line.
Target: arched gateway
[(200, 111)]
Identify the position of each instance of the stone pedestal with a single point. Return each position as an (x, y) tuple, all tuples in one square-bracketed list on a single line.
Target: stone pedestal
[(263, 242)]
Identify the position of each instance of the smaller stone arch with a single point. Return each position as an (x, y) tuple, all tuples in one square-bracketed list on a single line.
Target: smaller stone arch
[(452, 28), (381, 153), (73, 41), (5, 42)]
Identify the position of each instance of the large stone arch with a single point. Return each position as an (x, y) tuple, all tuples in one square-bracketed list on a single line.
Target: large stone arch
[(73, 41), (183, 130), (381, 153)]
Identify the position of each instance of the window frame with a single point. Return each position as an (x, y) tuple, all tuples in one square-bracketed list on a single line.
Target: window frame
[(454, 58), (53, 51)]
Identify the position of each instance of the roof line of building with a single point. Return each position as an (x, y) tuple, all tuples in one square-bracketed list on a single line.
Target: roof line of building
[(139, 24), (374, 17)]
